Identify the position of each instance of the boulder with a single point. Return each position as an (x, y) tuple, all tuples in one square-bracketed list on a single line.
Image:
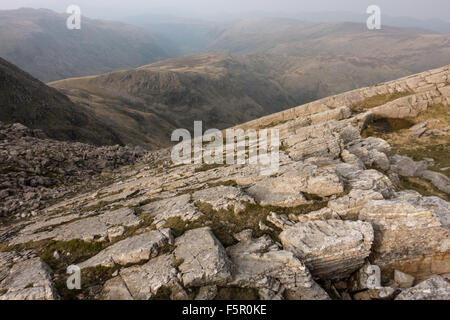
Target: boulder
[(179, 206), (349, 206), (409, 236), (403, 280), (131, 250), (153, 278), (115, 289), (203, 259), (223, 198), (29, 280), (286, 190), (331, 249), (260, 264), (435, 288), (372, 152)]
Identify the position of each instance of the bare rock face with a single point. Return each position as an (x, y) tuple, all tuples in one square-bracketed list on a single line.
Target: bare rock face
[(349, 206), (145, 281), (204, 260), (372, 152), (320, 140), (439, 180), (29, 280), (331, 249), (366, 179), (88, 229), (287, 189), (199, 260), (260, 264), (381, 293), (207, 293), (406, 167), (223, 197), (436, 288), (131, 250), (409, 236), (180, 206), (363, 228), (115, 289), (365, 278), (403, 280)]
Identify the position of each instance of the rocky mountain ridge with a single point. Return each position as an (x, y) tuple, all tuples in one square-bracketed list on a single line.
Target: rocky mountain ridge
[(320, 228)]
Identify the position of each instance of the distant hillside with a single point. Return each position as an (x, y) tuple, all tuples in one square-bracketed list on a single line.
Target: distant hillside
[(294, 38), (26, 100), (144, 105), (280, 64), (39, 42)]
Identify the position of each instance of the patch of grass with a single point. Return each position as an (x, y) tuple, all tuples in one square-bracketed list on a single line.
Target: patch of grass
[(420, 148), (92, 281), (228, 183), (3, 291), (70, 252), (225, 223), (97, 206), (148, 201), (177, 262), (422, 186), (438, 152), (207, 167), (378, 100)]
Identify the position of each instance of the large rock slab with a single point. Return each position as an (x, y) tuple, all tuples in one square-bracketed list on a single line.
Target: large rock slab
[(131, 250), (319, 140), (407, 167), (204, 260), (146, 281), (180, 206), (223, 198), (410, 235), (115, 289), (372, 152), (371, 179), (87, 229), (286, 190), (29, 280), (260, 264), (331, 249), (436, 288), (349, 206)]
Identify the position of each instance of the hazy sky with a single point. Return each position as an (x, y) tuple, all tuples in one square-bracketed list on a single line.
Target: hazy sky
[(422, 9)]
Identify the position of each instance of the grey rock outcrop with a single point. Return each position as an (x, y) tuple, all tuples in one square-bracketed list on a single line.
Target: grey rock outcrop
[(29, 280), (260, 264), (407, 230), (331, 249), (204, 260), (131, 250), (435, 288)]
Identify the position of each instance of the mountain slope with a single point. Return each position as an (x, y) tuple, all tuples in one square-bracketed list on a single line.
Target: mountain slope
[(26, 100), (39, 42), (333, 206), (144, 105)]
